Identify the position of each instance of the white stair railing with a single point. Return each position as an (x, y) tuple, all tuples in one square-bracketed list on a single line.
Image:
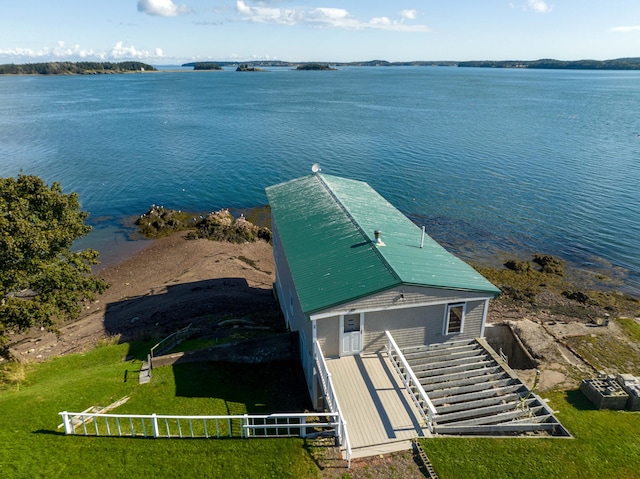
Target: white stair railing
[(332, 400), (410, 381)]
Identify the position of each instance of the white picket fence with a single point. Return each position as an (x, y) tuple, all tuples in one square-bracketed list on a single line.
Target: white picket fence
[(158, 425)]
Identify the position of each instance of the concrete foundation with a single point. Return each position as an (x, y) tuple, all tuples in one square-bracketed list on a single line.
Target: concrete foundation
[(502, 338), (604, 393), (631, 386)]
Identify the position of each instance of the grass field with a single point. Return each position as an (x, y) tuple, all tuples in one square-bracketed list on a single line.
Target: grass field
[(31, 445), (605, 444)]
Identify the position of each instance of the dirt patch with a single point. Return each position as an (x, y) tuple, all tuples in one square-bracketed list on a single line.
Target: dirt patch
[(549, 326), (169, 284), (399, 465)]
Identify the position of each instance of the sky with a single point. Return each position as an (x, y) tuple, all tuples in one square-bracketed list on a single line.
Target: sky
[(170, 32)]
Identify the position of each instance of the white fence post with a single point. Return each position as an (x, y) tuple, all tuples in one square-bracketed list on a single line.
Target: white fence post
[(154, 424), (66, 422)]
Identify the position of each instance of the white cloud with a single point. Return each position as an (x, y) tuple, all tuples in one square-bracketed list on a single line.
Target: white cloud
[(408, 14), (162, 8), (626, 29), (325, 17), (62, 52), (122, 52), (59, 51), (284, 16), (539, 6), (382, 21)]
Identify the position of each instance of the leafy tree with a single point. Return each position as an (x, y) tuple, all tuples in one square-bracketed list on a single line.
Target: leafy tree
[(41, 280)]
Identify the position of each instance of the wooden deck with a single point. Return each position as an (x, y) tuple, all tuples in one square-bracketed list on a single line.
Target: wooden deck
[(379, 412)]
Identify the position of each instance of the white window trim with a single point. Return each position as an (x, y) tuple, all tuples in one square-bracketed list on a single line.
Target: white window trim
[(447, 312)]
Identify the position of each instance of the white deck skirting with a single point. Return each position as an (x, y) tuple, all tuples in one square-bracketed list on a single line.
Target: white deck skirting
[(377, 408)]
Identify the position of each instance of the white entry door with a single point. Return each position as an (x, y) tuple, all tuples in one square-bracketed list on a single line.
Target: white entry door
[(351, 334)]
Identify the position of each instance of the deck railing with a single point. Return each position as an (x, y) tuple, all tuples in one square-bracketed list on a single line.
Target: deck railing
[(332, 400), (158, 425), (417, 392)]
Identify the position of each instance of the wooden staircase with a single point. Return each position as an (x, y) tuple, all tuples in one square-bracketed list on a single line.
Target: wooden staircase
[(475, 392)]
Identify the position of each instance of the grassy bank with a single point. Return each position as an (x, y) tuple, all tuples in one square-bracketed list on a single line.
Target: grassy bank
[(32, 396)]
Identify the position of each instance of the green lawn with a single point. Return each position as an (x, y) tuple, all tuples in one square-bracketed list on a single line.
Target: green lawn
[(605, 444), (32, 446)]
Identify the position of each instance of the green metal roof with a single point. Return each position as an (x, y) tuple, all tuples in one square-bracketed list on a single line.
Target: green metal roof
[(326, 226)]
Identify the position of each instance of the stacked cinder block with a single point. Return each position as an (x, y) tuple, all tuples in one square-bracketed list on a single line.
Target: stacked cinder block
[(631, 385), (605, 392)]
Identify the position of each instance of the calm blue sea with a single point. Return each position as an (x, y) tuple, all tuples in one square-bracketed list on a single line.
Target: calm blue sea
[(491, 161)]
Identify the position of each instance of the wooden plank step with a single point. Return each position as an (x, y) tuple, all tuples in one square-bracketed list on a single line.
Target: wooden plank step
[(437, 346), (145, 372), (445, 358), (432, 353), (506, 428), (479, 412), (446, 361), (498, 418), (536, 419), (463, 375), (457, 368), (479, 383), (480, 394), (469, 373), (478, 403)]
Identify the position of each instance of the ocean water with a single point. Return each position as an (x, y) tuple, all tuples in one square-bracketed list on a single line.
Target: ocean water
[(493, 162)]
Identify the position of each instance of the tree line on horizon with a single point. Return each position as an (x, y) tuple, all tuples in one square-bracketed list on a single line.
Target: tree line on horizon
[(551, 64), (73, 68), (615, 64)]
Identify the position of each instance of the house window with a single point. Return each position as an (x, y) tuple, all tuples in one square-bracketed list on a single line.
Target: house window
[(454, 320), (351, 323)]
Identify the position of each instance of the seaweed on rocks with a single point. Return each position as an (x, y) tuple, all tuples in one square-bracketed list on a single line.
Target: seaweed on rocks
[(222, 226)]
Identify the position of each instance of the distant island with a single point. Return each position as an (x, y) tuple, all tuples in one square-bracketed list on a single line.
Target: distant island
[(206, 66), (314, 66), (616, 64), (248, 68), (550, 64), (77, 68)]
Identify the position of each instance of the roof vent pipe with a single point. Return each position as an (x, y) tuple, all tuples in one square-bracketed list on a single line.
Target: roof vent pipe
[(378, 240)]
